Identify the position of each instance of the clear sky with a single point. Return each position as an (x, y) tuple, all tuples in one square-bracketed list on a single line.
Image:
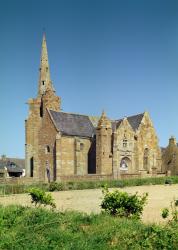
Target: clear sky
[(121, 56)]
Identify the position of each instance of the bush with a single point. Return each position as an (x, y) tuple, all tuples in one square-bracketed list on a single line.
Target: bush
[(54, 186), (165, 213), (173, 210), (39, 197), (123, 204), (168, 181)]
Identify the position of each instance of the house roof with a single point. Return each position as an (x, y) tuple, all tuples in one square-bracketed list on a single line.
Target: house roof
[(11, 166), (73, 124), (85, 126), (133, 120)]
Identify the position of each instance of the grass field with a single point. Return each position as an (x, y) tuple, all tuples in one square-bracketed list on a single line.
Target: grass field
[(36, 229)]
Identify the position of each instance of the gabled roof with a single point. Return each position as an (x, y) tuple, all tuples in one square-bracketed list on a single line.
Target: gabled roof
[(134, 121), (73, 124), (85, 126)]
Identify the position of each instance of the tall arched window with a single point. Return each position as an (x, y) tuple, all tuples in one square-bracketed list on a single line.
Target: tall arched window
[(146, 159), (31, 166)]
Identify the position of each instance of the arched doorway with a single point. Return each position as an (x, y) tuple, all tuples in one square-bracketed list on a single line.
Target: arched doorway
[(125, 165)]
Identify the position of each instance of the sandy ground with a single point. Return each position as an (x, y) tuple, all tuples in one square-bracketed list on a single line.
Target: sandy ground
[(89, 200)]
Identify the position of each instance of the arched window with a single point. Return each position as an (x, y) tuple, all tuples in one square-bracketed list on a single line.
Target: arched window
[(47, 149), (146, 159), (125, 164)]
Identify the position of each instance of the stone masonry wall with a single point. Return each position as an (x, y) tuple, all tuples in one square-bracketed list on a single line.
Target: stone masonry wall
[(47, 138), (147, 139), (32, 125), (72, 155)]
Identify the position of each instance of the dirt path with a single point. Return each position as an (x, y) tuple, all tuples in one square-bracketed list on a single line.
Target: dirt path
[(89, 200)]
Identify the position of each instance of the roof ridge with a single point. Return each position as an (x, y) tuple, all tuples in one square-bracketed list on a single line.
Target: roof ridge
[(70, 113), (129, 116)]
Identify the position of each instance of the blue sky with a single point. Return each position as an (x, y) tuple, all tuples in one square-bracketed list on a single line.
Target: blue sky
[(121, 56)]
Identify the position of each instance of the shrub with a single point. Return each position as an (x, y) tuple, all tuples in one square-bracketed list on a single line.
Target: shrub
[(165, 213), (123, 204), (173, 210), (39, 197), (168, 181), (176, 203), (54, 186)]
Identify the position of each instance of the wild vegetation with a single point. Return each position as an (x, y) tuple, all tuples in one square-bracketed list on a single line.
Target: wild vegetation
[(172, 212), (39, 197), (122, 204), (76, 185), (39, 228)]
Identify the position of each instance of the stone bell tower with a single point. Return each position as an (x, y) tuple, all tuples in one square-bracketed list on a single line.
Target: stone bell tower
[(46, 98), (103, 146)]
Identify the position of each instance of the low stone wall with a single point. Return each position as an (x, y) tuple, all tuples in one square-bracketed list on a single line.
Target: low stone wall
[(89, 177), (18, 180)]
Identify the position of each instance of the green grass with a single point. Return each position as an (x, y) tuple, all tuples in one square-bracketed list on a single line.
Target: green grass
[(37, 228), (76, 185), (6, 189)]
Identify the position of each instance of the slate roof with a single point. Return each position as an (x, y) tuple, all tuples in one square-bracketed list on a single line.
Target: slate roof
[(135, 120), (11, 166), (85, 126), (73, 124)]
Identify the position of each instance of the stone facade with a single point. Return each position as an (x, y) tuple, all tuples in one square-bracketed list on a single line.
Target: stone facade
[(60, 144), (170, 158)]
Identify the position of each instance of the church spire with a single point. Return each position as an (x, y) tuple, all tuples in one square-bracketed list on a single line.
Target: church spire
[(45, 82)]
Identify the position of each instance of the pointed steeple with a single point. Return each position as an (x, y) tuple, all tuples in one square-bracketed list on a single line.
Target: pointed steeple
[(45, 82)]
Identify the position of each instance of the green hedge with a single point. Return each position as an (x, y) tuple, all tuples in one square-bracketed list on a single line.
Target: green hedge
[(37, 228), (76, 185), (79, 185)]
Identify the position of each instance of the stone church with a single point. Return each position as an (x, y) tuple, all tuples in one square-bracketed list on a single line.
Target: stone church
[(61, 144)]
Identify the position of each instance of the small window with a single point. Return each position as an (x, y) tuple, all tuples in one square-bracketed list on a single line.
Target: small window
[(81, 146), (47, 149), (124, 143), (43, 82), (136, 137)]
